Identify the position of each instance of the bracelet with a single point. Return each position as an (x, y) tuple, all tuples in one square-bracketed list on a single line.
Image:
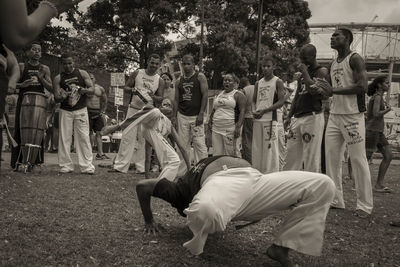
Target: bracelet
[(51, 5)]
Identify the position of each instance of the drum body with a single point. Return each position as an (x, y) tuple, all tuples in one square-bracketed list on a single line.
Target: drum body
[(33, 125)]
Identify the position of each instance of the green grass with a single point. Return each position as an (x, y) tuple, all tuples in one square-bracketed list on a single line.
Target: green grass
[(48, 219)]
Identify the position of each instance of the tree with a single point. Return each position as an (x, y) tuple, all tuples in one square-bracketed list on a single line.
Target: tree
[(137, 28), (232, 29)]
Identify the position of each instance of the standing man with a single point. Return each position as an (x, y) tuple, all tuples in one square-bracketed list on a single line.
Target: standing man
[(97, 105), (269, 95), (191, 97), (146, 87), (247, 130), (35, 77), (346, 122), (71, 88), (304, 144)]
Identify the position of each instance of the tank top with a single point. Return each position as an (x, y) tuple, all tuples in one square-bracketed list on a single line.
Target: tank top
[(342, 76), (307, 102), (31, 72), (249, 93), (186, 187), (67, 82), (224, 114), (266, 97), (146, 85), (375, 124), (190, 96)]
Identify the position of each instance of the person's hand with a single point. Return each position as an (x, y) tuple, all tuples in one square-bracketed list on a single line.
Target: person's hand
[(27, 83), (12, 85), (388, 106), (302, 68), (199, 119), (41, 73), (153, 228), (286, 124), (236, 132), (258, 114), (64, 94)]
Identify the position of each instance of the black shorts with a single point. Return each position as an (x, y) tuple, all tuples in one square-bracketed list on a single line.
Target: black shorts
[(375, 140), (96, 122)]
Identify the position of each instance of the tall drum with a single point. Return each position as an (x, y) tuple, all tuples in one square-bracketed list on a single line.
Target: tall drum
[(32, 125)]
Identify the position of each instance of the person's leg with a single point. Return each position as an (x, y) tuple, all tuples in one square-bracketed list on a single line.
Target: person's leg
[(312, 129), (271, 155), (199, 142), (184, 133), (127, 146), (281, 145), (386, 152), (353, 130), (82, 141), (334, 149), (257, 148), (307, 195), (139, 156), (247, 137), (294, 158), (64, 141), (217, 144)]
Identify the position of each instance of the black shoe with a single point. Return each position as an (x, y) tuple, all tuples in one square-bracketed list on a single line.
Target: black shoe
[(99, 157), (114, 170)]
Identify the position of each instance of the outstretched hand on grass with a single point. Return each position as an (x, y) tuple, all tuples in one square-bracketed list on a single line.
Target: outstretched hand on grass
[(153, 228)]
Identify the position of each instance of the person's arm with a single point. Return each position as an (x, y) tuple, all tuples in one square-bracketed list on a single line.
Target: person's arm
[(176, 96), (59, 93), (204, 98), (181, 147), (103, 100), (130, 83), (12, 70), (144, 191), (89, 90), (376, 112), (45, 78), (18, 29), (241, 100)]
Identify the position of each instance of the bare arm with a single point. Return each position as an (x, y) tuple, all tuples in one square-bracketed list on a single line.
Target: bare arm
[(45, 78), (59, 93), (376, 112), (144, 191), (204, 98), (12, 70), (89, 90), (176, 97), (18, 29), (241, 100), (181, 147), (103, 100), (130, 83), (159, 95)]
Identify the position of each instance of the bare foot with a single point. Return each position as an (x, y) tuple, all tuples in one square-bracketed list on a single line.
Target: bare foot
[(279, 254)]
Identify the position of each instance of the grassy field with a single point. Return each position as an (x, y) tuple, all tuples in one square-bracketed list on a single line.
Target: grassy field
[(47, 219)]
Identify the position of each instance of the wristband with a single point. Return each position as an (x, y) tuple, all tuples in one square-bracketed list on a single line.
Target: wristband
[(51, 5)]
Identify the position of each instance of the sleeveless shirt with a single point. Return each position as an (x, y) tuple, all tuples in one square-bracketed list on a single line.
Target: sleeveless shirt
[(190, 96), (307, 102), (146, 85), (342, 76), (224, 114), (67, 82), (266, 97), (31, 72), (375, 124)]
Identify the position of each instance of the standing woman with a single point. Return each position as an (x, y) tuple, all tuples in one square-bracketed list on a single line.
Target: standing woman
[(375, 139), (227, 117)]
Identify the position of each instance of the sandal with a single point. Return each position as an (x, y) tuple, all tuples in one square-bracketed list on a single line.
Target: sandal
[(383, 190)]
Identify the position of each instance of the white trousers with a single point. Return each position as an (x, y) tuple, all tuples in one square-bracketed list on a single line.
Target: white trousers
[(265, 146), (226, 144), (166, 154), (78, 122), (281, 145), (189, 134), (349, 129), (131, 148), (304, 145), (247, 195)]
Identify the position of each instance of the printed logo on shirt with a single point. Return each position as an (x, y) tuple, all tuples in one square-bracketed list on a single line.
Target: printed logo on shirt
[(338, 77), (187, 87), (264, 92)]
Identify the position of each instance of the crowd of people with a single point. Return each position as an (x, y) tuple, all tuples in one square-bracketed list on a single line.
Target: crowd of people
[(243, 180)]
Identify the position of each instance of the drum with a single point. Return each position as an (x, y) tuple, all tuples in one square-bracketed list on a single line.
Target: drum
[(32, 125)]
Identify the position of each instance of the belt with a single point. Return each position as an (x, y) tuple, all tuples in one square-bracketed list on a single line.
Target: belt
[(307, 114)]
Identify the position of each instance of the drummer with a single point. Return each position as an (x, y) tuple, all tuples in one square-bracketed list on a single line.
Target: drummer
[(35, 77)]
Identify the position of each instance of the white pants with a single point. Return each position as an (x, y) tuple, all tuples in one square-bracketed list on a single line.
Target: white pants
[(189, 134), (348, 129), (78, 122), (265, 147), (281, 145), (246, 194), (304, 145), (166, 154), (131, 149), (226, 144)]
